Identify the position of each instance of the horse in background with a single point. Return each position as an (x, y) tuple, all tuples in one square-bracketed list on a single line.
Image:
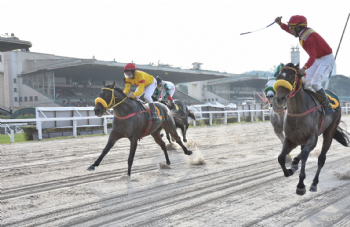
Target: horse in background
[(304, 123), (132, 121), (180, 115), (276, 113)]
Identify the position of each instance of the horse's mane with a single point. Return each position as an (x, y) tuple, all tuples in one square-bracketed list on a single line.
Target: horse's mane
[(117, 88)]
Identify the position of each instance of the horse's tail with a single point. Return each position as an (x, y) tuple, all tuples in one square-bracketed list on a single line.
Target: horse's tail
[(342, 136), (191, 115)]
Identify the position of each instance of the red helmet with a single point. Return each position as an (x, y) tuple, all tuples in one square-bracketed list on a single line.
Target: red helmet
[(297, 20), (129, 67)]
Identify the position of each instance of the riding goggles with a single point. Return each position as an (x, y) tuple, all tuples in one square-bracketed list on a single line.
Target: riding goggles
[(128, 74)]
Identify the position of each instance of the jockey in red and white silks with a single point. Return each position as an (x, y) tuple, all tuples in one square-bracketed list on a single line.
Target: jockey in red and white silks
[(321, 59)]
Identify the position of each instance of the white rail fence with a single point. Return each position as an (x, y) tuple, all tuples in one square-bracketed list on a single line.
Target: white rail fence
[(39, 121)]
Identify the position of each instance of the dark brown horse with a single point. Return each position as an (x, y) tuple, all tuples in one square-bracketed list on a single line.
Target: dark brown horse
[(303, 124), (130, 122), (181, 117)]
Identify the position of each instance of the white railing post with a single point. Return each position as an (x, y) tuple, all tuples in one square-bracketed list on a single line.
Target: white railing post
[(194, 123), (263, 115), (225, 117), (239, 117), (74, 128), (12, 136), (347, 108), (251, 116), (210, 119), (39, 127), (105, 126)]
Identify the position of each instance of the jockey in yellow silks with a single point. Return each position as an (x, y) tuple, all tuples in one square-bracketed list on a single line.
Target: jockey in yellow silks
[(146, 84)]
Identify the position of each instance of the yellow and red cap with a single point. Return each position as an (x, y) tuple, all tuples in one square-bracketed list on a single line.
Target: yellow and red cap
[(297, 20)]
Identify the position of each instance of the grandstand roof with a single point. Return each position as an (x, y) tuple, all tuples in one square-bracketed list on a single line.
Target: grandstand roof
[(13, 43), (105, 70)]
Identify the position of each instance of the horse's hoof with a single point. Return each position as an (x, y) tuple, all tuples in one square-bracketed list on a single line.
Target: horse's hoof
[(301, 191), (294, 166), (91, 168), (185, 140), (313, 188), (291, 171), (189, 152), (168, 163)]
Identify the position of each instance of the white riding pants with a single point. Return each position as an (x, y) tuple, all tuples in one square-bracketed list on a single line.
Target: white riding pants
[(148, 91), (319, 71)]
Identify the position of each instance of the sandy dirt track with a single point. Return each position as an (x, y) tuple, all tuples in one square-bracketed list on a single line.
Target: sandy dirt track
[(241, 183)]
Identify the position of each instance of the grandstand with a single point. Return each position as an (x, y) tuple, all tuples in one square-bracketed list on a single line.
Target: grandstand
[(34, 79)]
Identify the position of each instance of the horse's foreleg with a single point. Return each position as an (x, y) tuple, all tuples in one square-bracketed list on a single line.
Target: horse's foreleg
[(133, 146), (113, 137), (296, 160), (309, 146), (161, 143), (288, 146), (327, 141)]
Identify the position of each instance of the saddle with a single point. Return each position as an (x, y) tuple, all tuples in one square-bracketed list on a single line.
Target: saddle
[(318, 99)]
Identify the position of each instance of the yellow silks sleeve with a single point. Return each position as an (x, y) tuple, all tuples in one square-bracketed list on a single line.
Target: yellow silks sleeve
[(127, 86)]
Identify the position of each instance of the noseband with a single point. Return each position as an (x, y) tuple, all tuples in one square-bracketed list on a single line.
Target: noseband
[(284, 83), (111, 103)]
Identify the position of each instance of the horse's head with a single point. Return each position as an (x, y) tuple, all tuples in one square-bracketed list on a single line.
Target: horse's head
[(269, 91), (286, 82), (108, 97)]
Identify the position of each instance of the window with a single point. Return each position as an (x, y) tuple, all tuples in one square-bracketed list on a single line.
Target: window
[(31, 98), (20, 99), (15, 80), (15, 99), (15, 89), (36, 98), (26, 99)]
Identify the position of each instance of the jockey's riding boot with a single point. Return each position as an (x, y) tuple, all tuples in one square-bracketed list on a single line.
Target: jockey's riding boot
[(173, 106), (153, 111), (326, 104)]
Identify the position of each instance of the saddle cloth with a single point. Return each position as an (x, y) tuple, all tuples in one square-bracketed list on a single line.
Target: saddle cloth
[(148, 113)]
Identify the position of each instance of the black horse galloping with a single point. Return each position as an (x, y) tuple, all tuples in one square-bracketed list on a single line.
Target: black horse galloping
[(303, 124), (181, 117), (129, 122)]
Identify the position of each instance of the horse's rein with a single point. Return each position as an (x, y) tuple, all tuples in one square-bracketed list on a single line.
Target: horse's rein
[(111, 103)]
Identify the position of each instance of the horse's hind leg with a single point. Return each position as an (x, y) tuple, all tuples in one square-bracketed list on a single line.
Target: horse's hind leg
[(113, 137), (327, 141), (161, 143), (183, 130), (169, 127), (168, 137)]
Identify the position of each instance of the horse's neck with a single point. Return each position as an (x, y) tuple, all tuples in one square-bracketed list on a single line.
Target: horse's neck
[(126, 107), (298, 103)]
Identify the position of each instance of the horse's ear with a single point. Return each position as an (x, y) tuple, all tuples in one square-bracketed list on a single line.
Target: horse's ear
[(113, 85), (104, 83), (297, 66)]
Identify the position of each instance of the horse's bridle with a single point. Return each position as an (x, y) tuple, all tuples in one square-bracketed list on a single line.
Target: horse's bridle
[(284, 83), (111, 103)]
